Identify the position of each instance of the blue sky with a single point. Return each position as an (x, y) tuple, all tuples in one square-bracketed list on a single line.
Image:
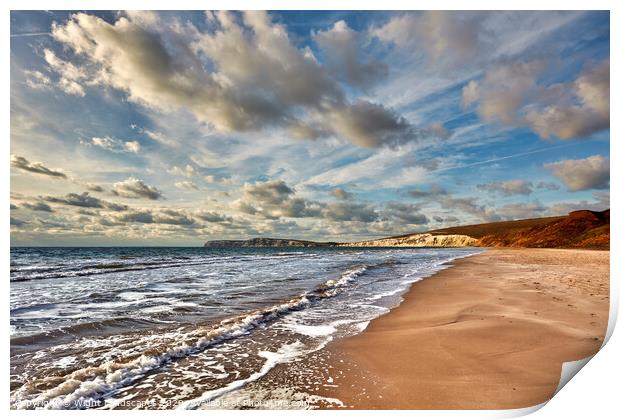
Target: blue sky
[(171, 128)]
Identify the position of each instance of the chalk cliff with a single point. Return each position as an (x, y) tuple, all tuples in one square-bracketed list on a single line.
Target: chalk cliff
[(419, 240)]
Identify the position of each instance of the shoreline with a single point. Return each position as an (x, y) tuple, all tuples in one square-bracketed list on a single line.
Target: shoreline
[(489, 332)]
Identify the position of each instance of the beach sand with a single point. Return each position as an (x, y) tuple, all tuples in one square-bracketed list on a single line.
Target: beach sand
[(491, 332)]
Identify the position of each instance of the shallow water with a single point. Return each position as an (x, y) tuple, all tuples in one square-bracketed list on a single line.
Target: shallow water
[(178, 327)]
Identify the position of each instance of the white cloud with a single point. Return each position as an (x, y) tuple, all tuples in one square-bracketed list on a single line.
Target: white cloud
[(132, 146), (85, 200), (152, 216), (444, 35), (508, 188), (188, 171), (37, 80), (136, 188), (343, 47), (404, 213), (512, 94), (259, 79), (341, 194), (470, 94), (465, 38), (504, 90), (186, 185), (38, 206), (351, 211), (160, 137), (400, 30), (115, 145), (70, 75), (582, 174), (271, 192), (370, 125), (589, 114), (22, 163)]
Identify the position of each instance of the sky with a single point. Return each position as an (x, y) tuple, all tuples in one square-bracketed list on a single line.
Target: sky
[(173, 128)]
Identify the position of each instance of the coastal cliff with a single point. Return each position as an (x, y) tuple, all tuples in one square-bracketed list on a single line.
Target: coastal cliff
[(578, 229), (419, 240), (415, 240)]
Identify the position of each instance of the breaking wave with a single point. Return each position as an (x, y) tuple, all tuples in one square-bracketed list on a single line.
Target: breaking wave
[(85, 386)]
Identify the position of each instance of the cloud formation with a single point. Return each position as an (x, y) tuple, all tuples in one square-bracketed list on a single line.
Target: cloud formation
[(508, 188), (447, 201), (188, 171), (258, 77), (85, 200), (370, 125), (504, 90), (71, 76), (444, 35), (405, 213), (22, 163), (511, 93), (582, 174), (436, 191), (186, 185), (341, 194), (115, 145), (270, 192), (38, 206), (37, 80), (351, 211), (549, 186), (468, 205), (135, 188), (275, 199), (585, 115), (155, 216), (343, 46), (94, 187), (214, 217), (17, 222)]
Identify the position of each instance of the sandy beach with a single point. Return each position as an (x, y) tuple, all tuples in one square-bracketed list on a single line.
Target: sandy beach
[(491, 332)]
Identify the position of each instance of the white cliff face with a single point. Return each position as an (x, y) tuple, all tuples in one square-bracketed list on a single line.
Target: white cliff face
[(415, 240), (420, 240)]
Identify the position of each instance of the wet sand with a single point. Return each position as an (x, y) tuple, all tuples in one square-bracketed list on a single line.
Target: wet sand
[(491, 332)]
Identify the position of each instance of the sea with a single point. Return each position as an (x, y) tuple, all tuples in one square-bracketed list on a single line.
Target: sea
[(174, 328)]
